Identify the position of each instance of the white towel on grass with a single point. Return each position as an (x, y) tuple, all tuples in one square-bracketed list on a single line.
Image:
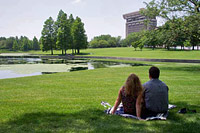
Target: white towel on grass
[(120, 111)]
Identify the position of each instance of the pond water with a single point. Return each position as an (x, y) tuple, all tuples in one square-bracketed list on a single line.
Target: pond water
[(21, 67)]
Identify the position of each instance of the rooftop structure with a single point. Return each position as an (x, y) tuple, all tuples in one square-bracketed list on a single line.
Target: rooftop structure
[(135, 22)]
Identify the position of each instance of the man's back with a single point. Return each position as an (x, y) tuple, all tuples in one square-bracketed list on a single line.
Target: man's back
[(156, 96)]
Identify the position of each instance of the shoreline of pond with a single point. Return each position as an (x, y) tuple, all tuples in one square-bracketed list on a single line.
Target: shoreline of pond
[(22, 67), (102, 57)]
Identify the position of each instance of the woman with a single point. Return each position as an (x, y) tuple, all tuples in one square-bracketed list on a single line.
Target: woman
[(131, 96)]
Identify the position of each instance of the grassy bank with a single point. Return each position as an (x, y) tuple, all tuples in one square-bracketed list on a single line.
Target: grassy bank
[(70, 102), (130, 52)]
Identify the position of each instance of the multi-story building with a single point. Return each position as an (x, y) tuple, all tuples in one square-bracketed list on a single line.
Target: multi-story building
[(135, 22)]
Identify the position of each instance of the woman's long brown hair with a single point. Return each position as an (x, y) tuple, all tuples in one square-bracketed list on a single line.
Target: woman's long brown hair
[(133, 85)]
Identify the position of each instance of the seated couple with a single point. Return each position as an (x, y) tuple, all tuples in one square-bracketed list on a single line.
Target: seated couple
[(145, 100)]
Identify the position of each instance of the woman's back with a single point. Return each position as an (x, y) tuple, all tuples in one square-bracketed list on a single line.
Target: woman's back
[(128, 101)]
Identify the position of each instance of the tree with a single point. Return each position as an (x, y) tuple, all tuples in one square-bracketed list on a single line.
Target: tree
[(135, 44), (25, 44), (124, 43), (59, 19), (170, 9), (111, 41), (94, 43), (48, 35), (143, 42), (129, 39), (172, 33), (187, 44), (118, 41), (36, 45), (153, 38), (60, 39), (64, 34), (15, 46), (192, 29), (2, 42), (79, 36), (141, 46), (103, 43), (15, 43), (133, 39), (57, 24), (71, 21)]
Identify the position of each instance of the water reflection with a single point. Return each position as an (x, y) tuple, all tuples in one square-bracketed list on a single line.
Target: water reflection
[(78, 68), (4, 74), (21, 67), (4, 61), (49, 72)]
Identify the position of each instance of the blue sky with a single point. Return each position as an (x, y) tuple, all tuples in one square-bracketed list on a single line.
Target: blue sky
[(26, 17)]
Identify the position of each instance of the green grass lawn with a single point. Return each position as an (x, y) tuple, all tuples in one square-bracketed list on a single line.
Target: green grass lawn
[(70, 102), (130, 52), (146, 53)]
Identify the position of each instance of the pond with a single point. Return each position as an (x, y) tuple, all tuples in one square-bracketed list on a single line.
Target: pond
[(21, 67)]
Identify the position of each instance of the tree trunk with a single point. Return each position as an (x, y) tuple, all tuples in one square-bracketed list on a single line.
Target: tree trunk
[(72, 51), (192, 47), (78, 51), (51, 51), (153, 48), (62, 52), (65, 51), (167, 47)]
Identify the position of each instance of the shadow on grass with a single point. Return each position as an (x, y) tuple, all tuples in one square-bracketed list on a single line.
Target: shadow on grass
[(83, 54), (92, 120), (188, 122), (71, 54), (84, 121)]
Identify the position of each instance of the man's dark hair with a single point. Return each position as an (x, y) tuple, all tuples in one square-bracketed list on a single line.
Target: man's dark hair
[(154, 72)]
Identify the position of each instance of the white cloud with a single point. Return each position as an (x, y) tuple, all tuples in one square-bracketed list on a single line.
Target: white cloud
[(76, 1)]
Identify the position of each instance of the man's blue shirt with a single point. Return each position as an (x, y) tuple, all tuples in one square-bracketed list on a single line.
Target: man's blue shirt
[(156, 96)]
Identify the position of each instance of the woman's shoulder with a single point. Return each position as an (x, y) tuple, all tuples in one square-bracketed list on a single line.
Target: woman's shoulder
[(122, 90)]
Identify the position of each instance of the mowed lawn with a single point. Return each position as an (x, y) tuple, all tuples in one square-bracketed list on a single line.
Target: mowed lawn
[(128, 52), (70, 102), (145, 53)]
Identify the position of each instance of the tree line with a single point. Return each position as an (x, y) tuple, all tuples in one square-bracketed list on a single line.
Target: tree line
[(19, 43), (105, 41), (63, 34)]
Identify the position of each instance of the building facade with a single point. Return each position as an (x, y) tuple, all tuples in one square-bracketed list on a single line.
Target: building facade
[(135, 22)]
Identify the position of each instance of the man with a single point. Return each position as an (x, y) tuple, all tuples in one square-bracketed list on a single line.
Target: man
[(155, 94)]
